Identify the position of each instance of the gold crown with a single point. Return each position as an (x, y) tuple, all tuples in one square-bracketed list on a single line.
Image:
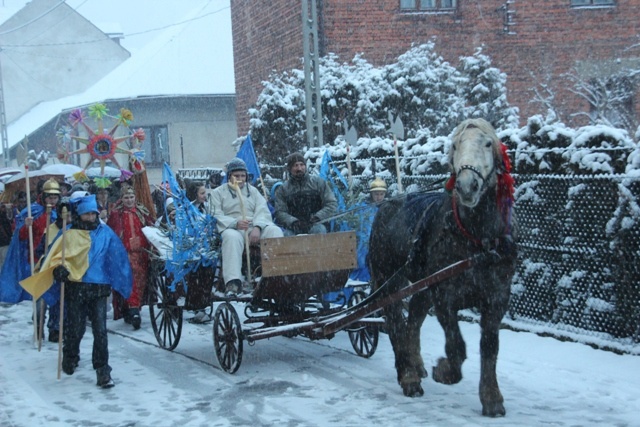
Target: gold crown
[(378, 185), (127, 189), (51, 187)]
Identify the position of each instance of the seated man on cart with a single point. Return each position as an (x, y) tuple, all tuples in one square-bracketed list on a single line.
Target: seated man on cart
[(304, 201), (241, 213)]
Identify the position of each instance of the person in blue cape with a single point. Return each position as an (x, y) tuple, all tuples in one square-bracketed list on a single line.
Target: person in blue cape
[(95, 262), (377, 193), (17, 265)]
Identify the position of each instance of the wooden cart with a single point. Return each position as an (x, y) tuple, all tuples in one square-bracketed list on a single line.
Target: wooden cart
[(298, 273), (301, 277)]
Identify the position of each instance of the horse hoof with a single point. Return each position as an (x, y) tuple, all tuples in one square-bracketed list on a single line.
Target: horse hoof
[(443, 373), (413, 390), (422, 372), (494, 410)]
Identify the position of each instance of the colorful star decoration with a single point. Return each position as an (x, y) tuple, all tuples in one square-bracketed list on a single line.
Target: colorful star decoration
[(101, 145)]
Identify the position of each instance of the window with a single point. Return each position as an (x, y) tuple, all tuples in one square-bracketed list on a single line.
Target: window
[(427, 5), (582, 3), (156, 146)]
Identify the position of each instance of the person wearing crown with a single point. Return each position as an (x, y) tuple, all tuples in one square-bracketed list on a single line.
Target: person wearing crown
[(127, 220), (365, 215), (18, 262)]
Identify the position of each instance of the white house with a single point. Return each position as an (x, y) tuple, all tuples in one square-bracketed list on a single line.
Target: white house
[(171, 65)]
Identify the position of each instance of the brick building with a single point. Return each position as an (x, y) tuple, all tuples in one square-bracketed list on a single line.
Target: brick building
[(534, 43)]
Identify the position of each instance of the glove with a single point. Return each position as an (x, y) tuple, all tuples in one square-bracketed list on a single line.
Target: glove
[(60, 273)]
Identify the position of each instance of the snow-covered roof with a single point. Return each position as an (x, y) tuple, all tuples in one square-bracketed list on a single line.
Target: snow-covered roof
[(177, 48)]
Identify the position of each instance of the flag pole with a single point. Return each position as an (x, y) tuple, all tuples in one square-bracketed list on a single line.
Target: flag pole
[(30, 229), (234, 185), (350, 178), (395, 147), (46, 246), (61, 320)]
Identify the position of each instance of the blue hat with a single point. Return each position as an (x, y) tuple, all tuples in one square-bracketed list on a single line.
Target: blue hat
[(86, 204)]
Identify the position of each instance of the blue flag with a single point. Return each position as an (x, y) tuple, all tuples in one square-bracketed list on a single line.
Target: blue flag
[(247, 154), (330, 173)]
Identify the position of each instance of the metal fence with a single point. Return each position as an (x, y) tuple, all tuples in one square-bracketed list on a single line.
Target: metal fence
[(579, 246)]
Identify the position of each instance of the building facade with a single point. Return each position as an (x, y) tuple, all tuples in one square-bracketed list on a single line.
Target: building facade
[(545, 47), (184, 131)]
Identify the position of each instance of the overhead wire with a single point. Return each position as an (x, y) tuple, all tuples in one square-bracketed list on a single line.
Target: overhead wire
[(102, 39)]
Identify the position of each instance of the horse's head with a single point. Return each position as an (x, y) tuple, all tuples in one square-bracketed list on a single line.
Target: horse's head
[(473, 157)]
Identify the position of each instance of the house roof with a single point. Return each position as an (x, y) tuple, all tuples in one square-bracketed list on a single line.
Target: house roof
[(177, 48)]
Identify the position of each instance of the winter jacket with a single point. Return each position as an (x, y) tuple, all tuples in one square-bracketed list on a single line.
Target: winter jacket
[(302, 199), (227, 209)]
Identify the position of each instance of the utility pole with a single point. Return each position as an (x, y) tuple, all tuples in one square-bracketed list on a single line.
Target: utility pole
[(313, 106), (3, 121)]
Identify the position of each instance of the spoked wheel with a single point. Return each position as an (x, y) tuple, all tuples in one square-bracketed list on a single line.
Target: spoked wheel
[(227, 337), (364, 339), (165, 315)]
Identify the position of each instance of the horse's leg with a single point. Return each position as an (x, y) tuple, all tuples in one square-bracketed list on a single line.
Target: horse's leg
[(490, 396), (400, 337), (449, 369), (418, 308)]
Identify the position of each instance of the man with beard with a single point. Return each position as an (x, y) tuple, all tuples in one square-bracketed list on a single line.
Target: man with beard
[(303, 200)]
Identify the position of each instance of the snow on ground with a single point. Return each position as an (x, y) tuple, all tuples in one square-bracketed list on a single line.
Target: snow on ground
[(296, 382)]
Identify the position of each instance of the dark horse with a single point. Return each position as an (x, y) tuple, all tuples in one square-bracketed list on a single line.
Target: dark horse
[(416, 236)]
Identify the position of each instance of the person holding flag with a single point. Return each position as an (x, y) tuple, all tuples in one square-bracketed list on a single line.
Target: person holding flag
[(243, 219), (31, 228), (90, 260)]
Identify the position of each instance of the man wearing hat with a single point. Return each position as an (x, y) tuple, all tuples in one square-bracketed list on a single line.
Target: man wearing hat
[(240, 213), (365, 214), (95, 262), (303, 200), (17, 265)]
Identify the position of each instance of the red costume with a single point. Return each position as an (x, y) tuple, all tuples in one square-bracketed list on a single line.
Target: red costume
[(127, 223)]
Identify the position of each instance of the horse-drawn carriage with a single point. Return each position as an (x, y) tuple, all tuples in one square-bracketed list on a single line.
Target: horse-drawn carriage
[(300, 278)]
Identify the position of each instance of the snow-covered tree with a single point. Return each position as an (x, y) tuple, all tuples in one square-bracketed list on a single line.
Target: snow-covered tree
[(428, 95)]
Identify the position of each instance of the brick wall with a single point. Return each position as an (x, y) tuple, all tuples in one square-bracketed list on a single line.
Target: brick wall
[(548, 39)]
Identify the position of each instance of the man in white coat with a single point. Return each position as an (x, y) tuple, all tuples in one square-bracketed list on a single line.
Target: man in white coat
[(238, 211)]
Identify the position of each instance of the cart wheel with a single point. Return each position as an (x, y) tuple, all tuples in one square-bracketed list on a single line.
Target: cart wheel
[(166, 317), (227, 337), (364, 339)]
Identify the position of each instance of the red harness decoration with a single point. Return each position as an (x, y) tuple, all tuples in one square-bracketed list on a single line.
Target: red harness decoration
[(504, 196)]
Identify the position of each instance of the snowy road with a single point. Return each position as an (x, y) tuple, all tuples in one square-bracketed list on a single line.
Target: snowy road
[(295, 382)]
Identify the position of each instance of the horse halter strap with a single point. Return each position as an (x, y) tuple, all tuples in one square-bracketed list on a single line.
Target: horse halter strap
[(477, 172)]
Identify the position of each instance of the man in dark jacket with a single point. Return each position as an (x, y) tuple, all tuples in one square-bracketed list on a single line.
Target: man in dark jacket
[(303, 200), (95, 262)]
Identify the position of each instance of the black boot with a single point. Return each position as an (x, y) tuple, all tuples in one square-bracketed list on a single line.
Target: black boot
[(69, 365), (54, 335), (103, 376), (134, 315)]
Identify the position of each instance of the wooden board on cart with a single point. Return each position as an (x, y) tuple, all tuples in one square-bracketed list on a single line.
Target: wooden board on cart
[(299, 267), (308, 253)]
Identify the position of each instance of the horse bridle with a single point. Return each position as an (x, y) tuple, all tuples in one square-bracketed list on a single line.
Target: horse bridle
[(477, 172)]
